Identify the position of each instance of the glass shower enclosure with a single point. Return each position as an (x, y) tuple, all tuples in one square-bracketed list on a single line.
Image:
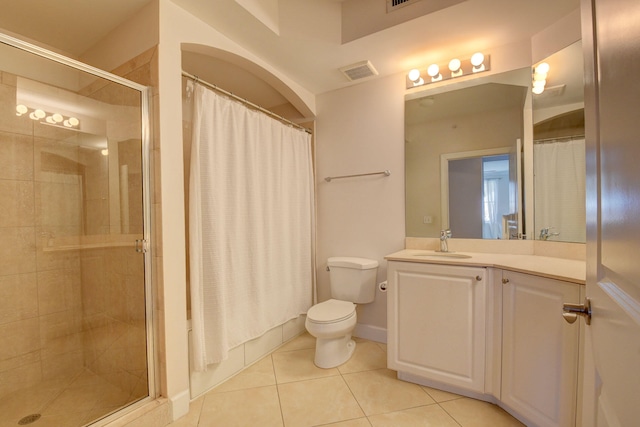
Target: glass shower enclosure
[(75, 328)]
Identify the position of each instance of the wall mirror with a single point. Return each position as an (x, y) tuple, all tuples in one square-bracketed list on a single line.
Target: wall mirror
[(472, 148), (462, 165), (559, 150)]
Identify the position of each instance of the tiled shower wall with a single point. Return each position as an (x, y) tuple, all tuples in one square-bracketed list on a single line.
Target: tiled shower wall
[(64, 310)]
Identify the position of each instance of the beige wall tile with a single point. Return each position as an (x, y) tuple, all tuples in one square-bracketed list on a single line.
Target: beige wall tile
[(19, 338), (17, 250), (16, 156), (16, 203), (18, 297), (59, 290), (10, 122)]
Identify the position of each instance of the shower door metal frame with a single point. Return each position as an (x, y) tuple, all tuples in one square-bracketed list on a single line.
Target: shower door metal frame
[(145, 111)]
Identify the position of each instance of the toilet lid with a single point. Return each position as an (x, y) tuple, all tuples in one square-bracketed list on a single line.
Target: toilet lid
[(331, 311)]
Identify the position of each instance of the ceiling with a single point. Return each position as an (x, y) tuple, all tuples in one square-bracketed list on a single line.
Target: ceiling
[(303, 39), (309, 45), (307, 40)]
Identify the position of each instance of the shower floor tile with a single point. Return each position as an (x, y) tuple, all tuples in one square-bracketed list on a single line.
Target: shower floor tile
[(69, 403)]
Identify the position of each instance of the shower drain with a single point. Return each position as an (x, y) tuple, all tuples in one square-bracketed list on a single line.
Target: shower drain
[(29, 419)]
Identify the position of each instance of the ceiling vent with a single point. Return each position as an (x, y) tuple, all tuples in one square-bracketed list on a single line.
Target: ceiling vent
[(397, 4), (359, 70)]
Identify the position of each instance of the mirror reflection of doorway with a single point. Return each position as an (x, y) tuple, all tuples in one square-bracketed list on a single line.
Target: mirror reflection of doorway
[(481, 200)]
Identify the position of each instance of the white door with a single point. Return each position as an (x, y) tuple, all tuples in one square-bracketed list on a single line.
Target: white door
[(611, 36)]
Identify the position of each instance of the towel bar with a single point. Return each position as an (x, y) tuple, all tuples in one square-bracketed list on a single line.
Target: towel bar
[(385, 173)]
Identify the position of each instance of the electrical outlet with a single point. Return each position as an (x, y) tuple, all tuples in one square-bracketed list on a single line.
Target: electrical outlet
[(427, 219)]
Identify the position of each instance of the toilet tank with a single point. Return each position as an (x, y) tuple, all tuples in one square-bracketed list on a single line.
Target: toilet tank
[(353, 279)]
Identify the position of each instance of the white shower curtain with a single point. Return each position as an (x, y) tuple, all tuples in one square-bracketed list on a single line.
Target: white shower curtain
[(251, 225), (559, 169)]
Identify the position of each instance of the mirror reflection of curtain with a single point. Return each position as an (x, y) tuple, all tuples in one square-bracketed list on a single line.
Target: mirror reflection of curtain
[(559, 170), (491, 221)]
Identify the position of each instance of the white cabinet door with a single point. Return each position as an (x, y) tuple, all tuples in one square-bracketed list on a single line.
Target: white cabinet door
[(539, 350), (436, 323)]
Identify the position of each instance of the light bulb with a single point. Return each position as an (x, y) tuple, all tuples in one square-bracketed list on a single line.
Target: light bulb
[(539, 83), (454, 65), (414, 75), (104, 152), (542, 68), (537, 90), (433, 70), (50, 120), (477, 59), (21, 109), (73, 121), (539, 76), (39, 114), (57, 118)]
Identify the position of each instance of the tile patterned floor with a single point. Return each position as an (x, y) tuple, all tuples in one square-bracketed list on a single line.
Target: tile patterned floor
[(287, 389), (68, 402)]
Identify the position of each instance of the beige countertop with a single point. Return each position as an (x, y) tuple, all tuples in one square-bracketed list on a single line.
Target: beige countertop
[(555, 268)]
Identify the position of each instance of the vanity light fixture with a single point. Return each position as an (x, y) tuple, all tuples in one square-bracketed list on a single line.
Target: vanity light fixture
[(434, 72), (414, 76), (41, 116), (477, 60), (457, 68), (539, 78)]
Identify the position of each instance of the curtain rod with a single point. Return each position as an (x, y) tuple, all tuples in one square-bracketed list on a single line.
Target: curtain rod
[(558, 139), (244, 101)]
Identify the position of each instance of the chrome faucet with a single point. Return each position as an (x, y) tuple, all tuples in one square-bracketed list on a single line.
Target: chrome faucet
[(444, 236), (545, 233)]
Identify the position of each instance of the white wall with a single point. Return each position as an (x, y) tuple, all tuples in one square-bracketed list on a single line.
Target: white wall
[(360, 129)]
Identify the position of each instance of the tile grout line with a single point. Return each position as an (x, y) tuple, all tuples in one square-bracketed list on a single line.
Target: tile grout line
[(275, 378)]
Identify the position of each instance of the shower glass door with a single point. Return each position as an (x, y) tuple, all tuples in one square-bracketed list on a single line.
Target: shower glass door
[(74, 299)]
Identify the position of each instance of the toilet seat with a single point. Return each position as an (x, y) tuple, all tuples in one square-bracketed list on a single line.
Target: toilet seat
[(331, 311)]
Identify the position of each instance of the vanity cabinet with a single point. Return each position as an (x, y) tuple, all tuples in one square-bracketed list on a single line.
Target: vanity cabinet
[(487, 333), (436, 323), (539, 349)]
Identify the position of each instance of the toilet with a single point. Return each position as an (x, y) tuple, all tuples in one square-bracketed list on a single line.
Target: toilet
[(353, 281)]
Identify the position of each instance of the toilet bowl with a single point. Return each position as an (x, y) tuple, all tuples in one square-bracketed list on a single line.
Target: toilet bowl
[(353, 281), (332, 323)]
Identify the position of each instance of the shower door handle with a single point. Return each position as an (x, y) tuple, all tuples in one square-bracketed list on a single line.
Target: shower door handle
[(141, 246)]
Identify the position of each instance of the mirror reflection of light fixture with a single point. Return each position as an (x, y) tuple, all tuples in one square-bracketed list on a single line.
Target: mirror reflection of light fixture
[(539, 79), (42, 116), (457, 67)]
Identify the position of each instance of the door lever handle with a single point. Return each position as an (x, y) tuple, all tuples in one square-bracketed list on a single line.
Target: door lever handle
[(570, 312)]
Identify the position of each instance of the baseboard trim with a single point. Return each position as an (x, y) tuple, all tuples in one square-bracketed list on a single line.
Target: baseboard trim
[(179, 404), (370, 332)]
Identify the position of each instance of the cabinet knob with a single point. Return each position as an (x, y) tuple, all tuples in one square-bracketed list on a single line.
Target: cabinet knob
[(479, 278), (505, 281)]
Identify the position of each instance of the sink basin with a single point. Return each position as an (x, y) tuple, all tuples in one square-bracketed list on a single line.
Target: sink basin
[(442, 255)]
